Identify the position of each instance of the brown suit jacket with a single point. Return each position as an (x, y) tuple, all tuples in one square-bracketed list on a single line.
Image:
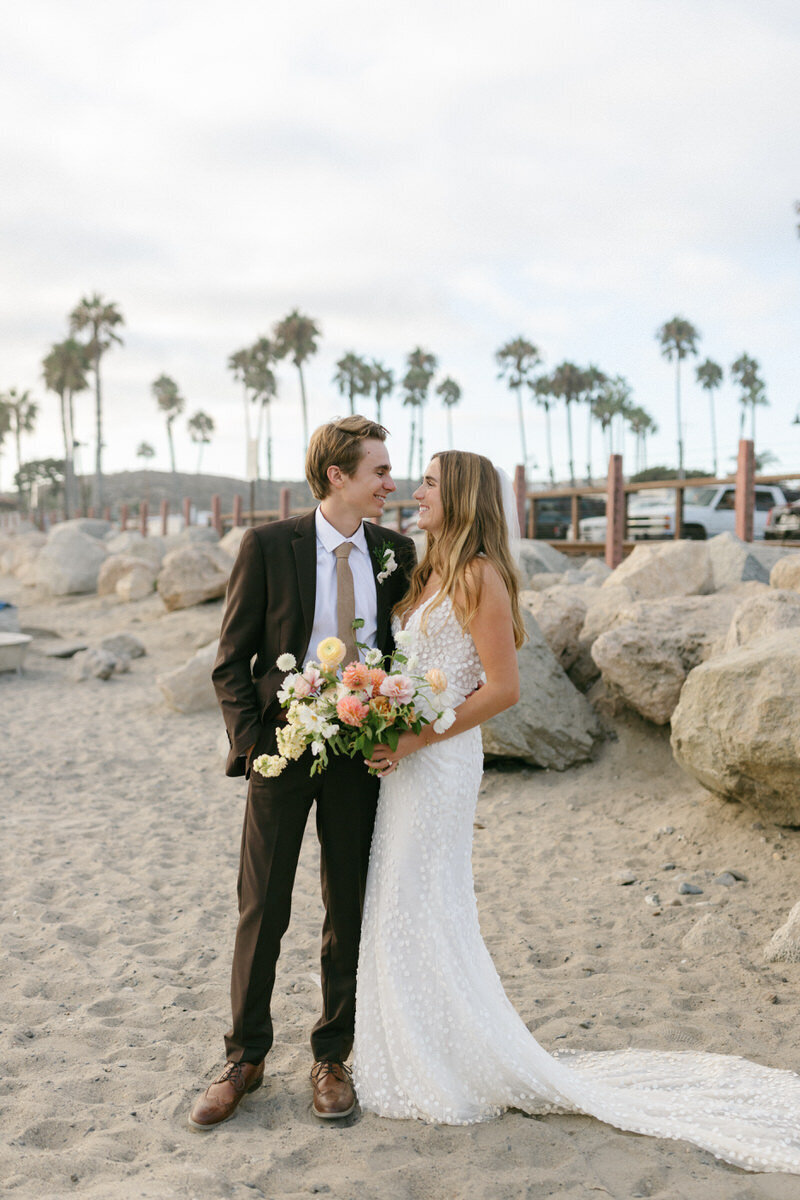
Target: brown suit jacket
[(270, 611)]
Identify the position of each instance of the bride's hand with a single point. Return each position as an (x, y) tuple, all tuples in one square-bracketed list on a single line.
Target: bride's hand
[(384, 760)]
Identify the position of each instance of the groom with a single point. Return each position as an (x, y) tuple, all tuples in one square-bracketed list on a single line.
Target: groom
[(295, 582)]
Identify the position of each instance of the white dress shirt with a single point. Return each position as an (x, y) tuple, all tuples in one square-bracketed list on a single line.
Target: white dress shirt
[(325, 622)]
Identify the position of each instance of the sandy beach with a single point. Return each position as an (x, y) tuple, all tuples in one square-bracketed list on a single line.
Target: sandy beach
[(120, 838)]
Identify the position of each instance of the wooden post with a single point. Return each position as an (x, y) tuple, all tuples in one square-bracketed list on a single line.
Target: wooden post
[(575, 517), (521, 494), (143, 518), (678, 513), (745, 490), (164, 515), (216, 514), (400, 518), (187, 512), (237, 511), (90, 513), (615, 512), (123, 517), (534, 513), (107, 513), (284, 504)]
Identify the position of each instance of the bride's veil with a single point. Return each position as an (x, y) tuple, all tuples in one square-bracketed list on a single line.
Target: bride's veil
[(511, 514)]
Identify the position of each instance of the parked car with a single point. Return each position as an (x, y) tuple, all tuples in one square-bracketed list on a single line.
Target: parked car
[(783, 521), (707, 511), (554, 515)]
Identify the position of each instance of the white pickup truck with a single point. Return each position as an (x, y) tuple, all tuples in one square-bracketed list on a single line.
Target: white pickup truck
[(707, 511)]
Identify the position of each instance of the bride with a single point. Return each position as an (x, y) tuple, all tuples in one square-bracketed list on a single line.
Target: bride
[(436, 1038)]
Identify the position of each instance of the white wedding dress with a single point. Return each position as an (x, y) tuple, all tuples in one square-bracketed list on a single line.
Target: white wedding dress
[(436, 1037)]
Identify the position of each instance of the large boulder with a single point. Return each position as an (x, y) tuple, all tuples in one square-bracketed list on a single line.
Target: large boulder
[(22, 550), (784, 945), (126, 576), (559, 612), (645, 658), (552, 724), (604, 607), (189, 688), (123, 645), (736, 728), (536, 557), (70, 563), (232, 540), (92, 526), (131, 543), (734, 561), (786, 573), (193, 574), (762, 615), (651, 572)]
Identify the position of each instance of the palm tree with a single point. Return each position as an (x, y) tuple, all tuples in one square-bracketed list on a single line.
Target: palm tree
[(542, 392), (450, 392), (678, 338), (612, 398), (260, 379), (709, 376), (5, 423), (594, 382), (172, 404), (297, 335), (381, 385), (65, 369), (416, 382), (516, 359), (353, 377), (238, 363), (641, 424), (22, 413), (744, 372), (145, 452), (99, 318), (201, 427), (568, 383)]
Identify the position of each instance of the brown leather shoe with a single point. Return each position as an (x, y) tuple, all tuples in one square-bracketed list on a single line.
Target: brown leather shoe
[(219, 1102), (333, 1090)]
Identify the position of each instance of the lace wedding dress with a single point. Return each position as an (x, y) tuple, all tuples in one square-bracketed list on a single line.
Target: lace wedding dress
[(437, 1038)]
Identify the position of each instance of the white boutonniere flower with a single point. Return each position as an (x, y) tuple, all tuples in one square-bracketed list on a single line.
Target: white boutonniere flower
[(384, 557)]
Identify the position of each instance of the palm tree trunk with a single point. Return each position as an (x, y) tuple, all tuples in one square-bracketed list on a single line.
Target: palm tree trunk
[(171, 447), (522, 441), (420, 441), (304, 407), (199, 455), (378, 410), (75, 501), (569, 442), (681, 473), (98, 460), (65, 432), (411, 447), (713, 431), (742, 412), (18, 445), (351, 398), (269, 443), (589, 445), (548, 435), (450, 426), (753, 422)]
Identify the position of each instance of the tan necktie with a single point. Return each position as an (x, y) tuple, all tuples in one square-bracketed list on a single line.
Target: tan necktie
[(345, 602)]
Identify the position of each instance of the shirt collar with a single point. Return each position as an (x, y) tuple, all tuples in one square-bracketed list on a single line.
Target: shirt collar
[(330, 538)]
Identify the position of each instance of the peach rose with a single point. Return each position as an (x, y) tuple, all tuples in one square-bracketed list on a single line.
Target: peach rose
[(351, 711), (436, 680), (355, 676), (398, 687)]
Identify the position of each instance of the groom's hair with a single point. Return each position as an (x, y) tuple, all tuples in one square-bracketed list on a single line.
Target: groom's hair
[(338, 444)]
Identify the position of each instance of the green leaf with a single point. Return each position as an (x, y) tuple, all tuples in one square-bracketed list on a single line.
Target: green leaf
[(392, 738), (358, 623), (369, 750)]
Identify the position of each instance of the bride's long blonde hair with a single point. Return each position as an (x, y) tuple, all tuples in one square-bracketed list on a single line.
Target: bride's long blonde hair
[(473, 525)]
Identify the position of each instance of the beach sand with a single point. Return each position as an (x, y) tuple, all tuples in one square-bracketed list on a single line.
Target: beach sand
[(120, 837)]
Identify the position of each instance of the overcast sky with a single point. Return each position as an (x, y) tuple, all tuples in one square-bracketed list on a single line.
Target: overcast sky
[(448, 175)]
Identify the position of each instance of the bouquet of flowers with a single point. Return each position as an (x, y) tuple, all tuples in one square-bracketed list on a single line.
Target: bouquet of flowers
[(351, 709)]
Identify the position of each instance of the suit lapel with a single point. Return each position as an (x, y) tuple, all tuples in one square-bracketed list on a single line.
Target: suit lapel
[(304, 545)]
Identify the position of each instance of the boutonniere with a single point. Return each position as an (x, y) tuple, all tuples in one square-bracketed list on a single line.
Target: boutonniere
[(384, 557)]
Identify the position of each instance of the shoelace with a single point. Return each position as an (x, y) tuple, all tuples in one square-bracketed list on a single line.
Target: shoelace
[(233, 1074), (321, 1069)]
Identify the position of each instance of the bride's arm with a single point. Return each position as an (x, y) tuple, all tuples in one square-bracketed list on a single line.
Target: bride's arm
[(492, 631)]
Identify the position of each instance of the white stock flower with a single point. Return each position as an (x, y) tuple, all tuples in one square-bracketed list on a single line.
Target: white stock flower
[(286, 662), (444, 721), (402, 638), (373, 657), (317, 748)]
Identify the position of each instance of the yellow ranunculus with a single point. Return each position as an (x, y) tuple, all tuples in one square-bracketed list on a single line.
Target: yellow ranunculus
[(330, 652)]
